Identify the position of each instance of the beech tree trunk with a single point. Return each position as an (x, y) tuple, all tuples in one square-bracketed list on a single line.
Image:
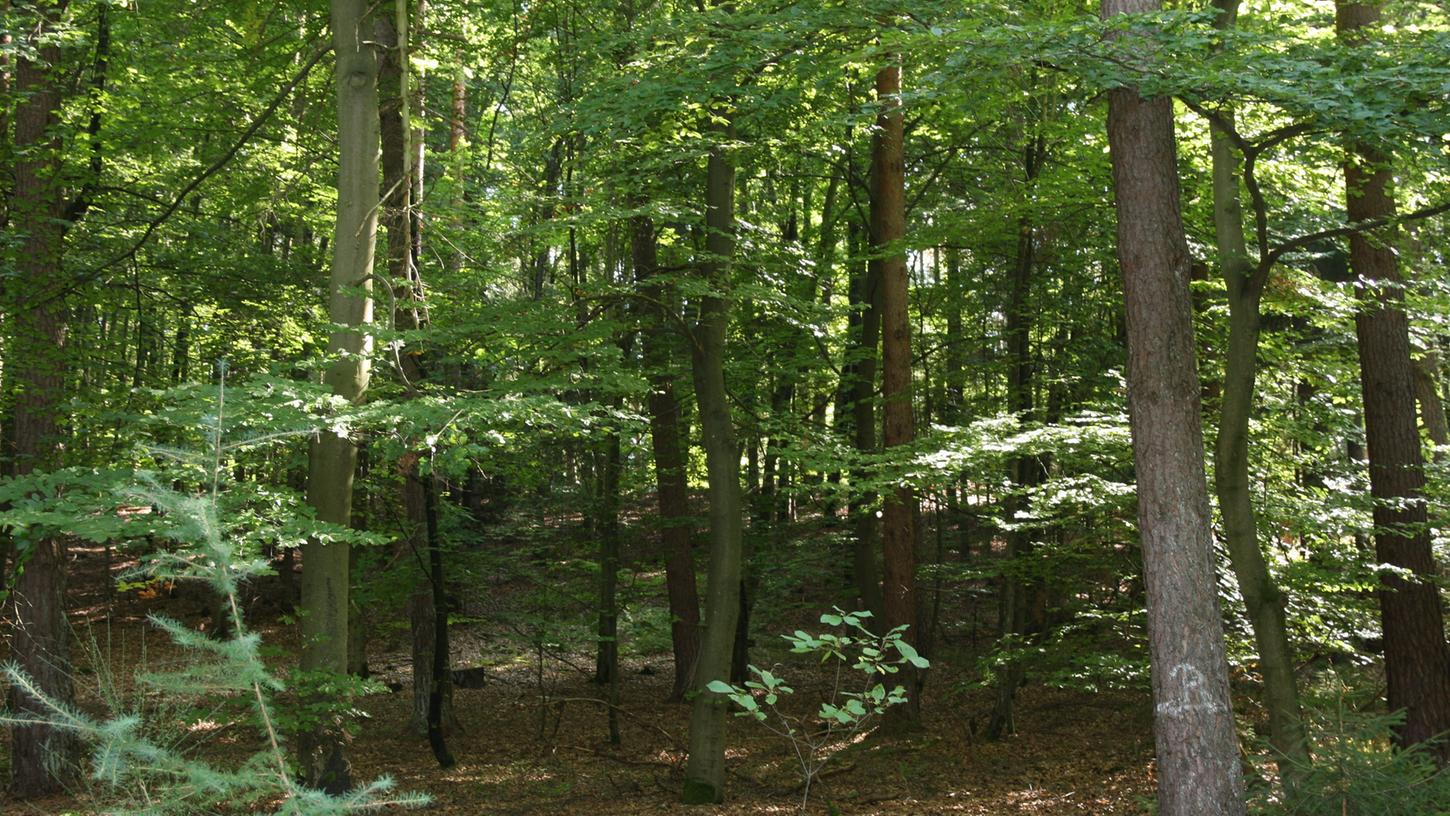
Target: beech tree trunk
[(669, 463), (333, 458), (1417, 658), (705, 771), (1263, 599), (1197, 748)]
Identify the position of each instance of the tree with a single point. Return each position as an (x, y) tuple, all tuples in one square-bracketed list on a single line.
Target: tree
[(1417, 657), (858, 389), (705, 772), (671, 486), (1264, 601), (333, 456), (41, 756), (1027, 471), (402, 157), (888, 229), (1198, 763)]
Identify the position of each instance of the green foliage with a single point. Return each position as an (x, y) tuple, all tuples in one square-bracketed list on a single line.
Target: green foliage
[(1357, 771), (849, 645), (313, 700), (137, 767)]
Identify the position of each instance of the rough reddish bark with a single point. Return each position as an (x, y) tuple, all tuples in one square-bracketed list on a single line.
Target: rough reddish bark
[(888, 227), (1197, 748), (1417, 658), (41, 758)]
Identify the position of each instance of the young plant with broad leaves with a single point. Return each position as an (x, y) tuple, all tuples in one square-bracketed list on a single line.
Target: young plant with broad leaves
[(861, 661)]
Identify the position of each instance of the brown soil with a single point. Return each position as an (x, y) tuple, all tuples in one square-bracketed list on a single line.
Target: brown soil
[(533, 742)]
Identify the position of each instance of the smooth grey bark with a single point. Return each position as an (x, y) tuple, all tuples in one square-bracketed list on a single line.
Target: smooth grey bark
[(1264, 601), (333, 458), (1197, 748), (705, 771)]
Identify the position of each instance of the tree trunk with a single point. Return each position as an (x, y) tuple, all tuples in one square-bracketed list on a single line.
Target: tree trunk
[(888, 228), (669, 462), (1198, 761), (1417, 658), (1263, 599), (42, 759), (1432, 408), (705, 772), (333, 458), (606, 670), (1021, 589), (401, 172), (954, 367), (865, 299)]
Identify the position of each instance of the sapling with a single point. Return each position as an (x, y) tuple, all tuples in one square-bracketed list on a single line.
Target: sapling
[(851, 648), (144, 773)]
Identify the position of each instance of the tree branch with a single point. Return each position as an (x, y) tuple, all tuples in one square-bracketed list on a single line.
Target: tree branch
[(211, 170), (1354, 228)]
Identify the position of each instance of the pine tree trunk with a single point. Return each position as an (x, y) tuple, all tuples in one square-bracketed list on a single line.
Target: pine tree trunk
[(888, 228), (42, 759), (1198, 760), (1417, 658)]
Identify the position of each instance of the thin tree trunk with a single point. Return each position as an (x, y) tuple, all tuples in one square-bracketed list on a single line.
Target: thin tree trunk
[(705, 772), (1197, 747), (669, 463), (457, 126), (400, 216), (1432, 408), (1417, 658), (954, 367), (1020, 589), (441, 693), (607, 662), (1264, 601), (865, 296)]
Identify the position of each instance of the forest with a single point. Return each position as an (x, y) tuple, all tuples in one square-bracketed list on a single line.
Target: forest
[(724, 406)]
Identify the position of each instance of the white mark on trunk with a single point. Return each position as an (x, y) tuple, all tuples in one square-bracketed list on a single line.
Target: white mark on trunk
[(1188, 692)]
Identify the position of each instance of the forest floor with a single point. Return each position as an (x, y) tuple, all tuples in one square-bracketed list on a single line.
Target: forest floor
[(534, 738)]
